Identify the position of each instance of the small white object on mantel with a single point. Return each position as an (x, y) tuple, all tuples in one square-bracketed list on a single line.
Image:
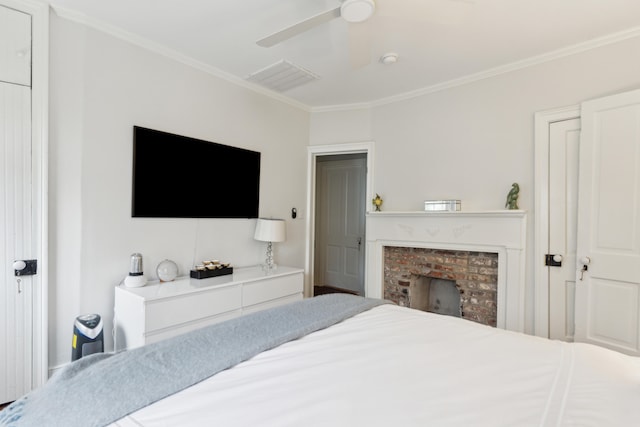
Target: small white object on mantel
[(442, 205)]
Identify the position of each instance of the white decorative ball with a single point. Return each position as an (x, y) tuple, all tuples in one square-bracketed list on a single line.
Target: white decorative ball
[(167, 270)]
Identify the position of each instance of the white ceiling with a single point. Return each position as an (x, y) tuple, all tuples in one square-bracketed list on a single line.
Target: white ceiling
[(438, 41)]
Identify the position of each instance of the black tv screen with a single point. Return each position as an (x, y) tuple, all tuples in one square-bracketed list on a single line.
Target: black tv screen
[(180, 177)]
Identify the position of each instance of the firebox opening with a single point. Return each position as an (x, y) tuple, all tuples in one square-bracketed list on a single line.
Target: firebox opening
[(436, 295)]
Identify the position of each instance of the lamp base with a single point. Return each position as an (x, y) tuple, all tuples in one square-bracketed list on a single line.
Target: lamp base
[(269, 268), (269, 265)]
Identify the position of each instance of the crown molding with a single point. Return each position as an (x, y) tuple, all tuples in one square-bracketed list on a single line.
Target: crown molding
[(144, 43), (471, 78), (342, 107), (503, 69)]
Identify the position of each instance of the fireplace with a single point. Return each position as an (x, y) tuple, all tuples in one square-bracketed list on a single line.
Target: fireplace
[(441, 296), (499, 235), (454, 283)]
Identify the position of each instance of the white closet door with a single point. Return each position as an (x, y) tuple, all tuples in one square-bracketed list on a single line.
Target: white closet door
[(564, 149), (15, 47), (15, 235), (608, 292), (16, 297)]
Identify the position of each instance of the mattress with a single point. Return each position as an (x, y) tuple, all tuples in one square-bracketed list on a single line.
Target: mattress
[(397, 366)]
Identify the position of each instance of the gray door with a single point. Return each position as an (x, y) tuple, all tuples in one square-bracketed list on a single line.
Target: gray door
[(340, 221)]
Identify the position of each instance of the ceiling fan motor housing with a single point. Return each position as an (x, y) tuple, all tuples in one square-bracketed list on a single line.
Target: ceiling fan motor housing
[(357, 10)]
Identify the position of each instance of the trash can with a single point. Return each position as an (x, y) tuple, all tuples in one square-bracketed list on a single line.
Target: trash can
[(88, 337)]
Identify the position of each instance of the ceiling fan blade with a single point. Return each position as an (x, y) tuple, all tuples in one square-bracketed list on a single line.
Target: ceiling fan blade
[(299, 28), (360, 45)]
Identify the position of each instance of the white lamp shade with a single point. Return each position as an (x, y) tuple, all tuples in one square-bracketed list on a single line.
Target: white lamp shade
[(270, 230)]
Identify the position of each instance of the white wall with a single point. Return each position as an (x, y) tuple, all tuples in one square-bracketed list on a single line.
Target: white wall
[(473, 141), (100, 87), (469, 142), (341, 126)]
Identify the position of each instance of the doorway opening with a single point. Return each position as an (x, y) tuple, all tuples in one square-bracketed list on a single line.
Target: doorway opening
[(339, 187), (340, 223)]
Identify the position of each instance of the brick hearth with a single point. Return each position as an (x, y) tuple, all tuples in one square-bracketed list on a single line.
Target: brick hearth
[(475, 275)]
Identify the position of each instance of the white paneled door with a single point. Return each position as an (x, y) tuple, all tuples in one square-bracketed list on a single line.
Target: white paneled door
[(608, 248), (15, 46), (340, 223), (16, 294), (564, 148)]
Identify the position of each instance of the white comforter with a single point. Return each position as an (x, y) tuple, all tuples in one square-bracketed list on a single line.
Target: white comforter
[(393, 366)]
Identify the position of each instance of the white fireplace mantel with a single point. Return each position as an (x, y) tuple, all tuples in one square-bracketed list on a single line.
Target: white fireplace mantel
[(502, 232)]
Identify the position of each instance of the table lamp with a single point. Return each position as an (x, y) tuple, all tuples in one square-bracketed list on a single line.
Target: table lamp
[(270, 230)]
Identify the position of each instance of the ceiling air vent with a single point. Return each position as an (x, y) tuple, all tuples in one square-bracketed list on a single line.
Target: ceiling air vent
[(282, 76)]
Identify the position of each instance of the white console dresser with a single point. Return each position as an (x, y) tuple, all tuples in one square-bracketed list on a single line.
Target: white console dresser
[(162, 310)]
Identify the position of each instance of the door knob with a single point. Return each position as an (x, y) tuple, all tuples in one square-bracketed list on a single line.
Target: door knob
[(25, 267), (585, 260), (553, 260)]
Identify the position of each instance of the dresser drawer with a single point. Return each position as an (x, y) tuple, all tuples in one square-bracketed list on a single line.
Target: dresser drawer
[(270, 289), (179, 309), (172, 331), (272, 303), (162, 310)]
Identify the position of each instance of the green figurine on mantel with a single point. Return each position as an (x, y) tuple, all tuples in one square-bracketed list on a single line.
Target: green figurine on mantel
[(512, 197)]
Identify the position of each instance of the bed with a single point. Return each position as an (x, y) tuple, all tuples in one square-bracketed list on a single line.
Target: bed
[(384, 365)]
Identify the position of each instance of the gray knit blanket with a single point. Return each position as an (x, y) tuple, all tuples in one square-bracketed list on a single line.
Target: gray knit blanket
[(99, 389)]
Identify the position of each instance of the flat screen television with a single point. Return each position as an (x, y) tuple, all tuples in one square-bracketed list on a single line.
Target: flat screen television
[(180, 177)]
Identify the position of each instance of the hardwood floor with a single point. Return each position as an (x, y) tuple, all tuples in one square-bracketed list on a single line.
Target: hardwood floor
[(321, 290)]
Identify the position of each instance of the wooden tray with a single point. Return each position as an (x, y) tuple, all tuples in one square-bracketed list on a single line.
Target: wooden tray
[(204, 274)]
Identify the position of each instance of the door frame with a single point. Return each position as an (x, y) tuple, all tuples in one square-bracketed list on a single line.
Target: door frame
[(350, 162), (313, 152), (542, 121), (39, 161)]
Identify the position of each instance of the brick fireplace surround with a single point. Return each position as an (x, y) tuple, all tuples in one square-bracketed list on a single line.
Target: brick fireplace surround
[(475, 275), (445, 236)]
